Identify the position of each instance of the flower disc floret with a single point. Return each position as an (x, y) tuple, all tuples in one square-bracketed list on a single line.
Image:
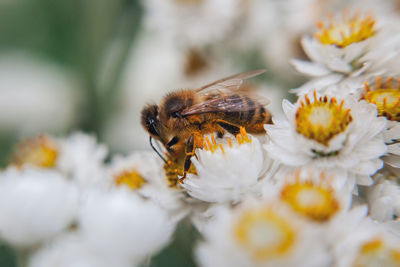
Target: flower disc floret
[(377, 253), (130, 178), (264, 234), (345, 31), (322, 119), (313, 201), (386, 96), (40, 151)]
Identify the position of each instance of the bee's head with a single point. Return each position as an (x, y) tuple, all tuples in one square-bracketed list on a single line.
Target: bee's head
[(152, 125), (150, 121)]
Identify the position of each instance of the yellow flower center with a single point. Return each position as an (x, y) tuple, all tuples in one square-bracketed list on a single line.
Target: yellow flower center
[(377, 253), (264, 234), (130, 178), (386, 97), (41, 151), (348, 30), (322, 119), (315, 202)]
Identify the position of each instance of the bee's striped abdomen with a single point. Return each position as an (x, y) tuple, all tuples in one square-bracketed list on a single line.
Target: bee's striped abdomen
[(252, 114)]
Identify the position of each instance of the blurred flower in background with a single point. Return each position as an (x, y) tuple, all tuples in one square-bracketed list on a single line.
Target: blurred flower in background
[(37, 96), (80, 185)]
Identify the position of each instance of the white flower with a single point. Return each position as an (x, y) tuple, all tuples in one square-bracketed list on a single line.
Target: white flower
[(227, 171), (81, 158), (31, 104), (35, 205), (143, 173), (122, 225), (341, 226), (260, 234), (78, 157), (72, 251), (311, 194), (366, 244), (346, 51), (192, 22), (384, 199), (325, 133), (384, 92), (317, 195), (392, 138), (41, 151)]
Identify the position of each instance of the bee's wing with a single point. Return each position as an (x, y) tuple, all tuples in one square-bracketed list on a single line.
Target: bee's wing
[(229, 83), (233, 102)]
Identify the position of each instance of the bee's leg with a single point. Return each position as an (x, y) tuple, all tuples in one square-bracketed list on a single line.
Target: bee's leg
[(190, 149), (220, 134), (172, 142), (231, 128)]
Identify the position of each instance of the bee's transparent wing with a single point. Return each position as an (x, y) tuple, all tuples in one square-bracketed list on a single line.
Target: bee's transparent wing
[(233, 102), (230, 83)]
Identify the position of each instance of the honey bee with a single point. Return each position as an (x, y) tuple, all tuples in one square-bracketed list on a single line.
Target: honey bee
[(184, 117)]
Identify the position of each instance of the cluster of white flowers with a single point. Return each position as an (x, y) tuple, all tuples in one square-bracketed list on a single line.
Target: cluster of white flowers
[(320, 188), (61, 205)]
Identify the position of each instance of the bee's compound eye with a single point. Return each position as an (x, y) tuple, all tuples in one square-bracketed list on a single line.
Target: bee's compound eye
[(151, 126), (150, 121)]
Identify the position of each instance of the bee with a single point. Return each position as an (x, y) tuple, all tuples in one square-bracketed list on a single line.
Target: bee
[(183, 117)]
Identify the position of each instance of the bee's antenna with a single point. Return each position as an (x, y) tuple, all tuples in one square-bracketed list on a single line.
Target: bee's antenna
[(158, 153)]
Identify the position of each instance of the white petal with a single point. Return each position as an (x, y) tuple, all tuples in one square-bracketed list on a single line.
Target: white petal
[(394, 149), (35, 205), (393, 132), (393, 227), (382, 209), (368, 167), (317, 84), (71, 251), (289, 109), (310, 68), (310, 48), (291, 159), (353, 51), (339, 65), (364, 180), (371, 150), (121, 224), (392, 160)]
